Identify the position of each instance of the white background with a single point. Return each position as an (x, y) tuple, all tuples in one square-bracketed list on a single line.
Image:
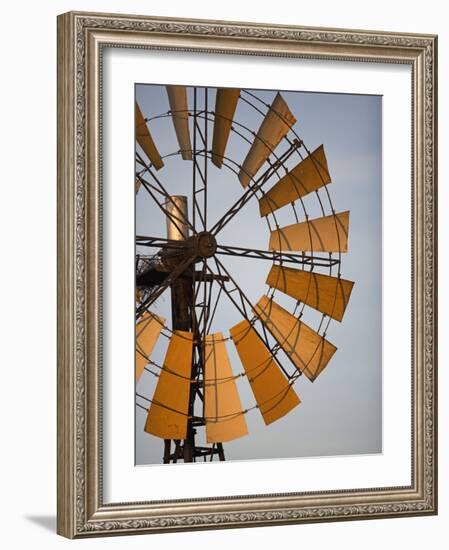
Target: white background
[(126, 483), (28, 297)]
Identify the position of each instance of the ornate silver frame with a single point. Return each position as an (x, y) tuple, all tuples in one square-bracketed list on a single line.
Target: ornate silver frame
[(81, 37)]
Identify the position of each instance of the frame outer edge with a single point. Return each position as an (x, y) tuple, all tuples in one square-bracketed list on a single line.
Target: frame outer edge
[(79, 494), (434, 242), (66, 288)]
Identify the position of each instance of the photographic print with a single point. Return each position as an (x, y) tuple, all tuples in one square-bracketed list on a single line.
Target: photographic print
[(258, 274)]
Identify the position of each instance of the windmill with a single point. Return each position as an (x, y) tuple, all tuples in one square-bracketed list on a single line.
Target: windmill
[(196, 385)]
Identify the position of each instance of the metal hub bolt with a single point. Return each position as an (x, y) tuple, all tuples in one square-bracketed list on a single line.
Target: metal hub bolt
[(205, 245)]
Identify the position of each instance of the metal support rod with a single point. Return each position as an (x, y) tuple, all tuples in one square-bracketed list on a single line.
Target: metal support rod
[(181, 298), (167, 445)]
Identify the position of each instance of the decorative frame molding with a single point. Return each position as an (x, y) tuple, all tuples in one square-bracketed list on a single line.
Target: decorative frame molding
[(81, 37)]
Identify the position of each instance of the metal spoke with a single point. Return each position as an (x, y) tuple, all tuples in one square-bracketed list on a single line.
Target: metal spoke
[(159, 242), (253, 189), (276, 255), (241, 308), (217, 300)]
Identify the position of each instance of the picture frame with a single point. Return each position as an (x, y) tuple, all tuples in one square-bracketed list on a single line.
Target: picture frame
[(82, 40)]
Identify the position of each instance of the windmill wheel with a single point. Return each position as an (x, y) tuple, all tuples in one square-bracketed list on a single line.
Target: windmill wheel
[(268, 165)]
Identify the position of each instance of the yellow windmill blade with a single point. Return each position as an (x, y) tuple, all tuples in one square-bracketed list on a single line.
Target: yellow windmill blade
[(148, 330), (144, 139), (272, 391), (223, 411), (329, 295), (225, 106), (307, 176), (177, 98), (309, 351), (325, 234), (168, 412), (274, 128)]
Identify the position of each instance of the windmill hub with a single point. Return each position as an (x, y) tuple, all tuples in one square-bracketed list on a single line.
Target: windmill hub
[(205, 244)]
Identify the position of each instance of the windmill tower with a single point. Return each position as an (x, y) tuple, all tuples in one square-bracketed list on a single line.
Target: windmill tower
[(196, 387)]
